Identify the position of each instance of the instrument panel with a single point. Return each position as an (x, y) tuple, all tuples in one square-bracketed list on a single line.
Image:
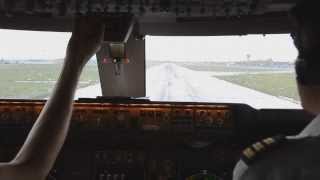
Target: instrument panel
[(148, 140), (146, 117), (124, 141)]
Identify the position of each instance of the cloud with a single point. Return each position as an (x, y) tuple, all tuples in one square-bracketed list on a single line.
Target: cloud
[(221, 48), (32, 44), (52, 45)]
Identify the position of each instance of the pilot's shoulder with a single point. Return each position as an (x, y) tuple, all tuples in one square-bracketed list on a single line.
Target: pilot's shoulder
[(273, 157), (260, 154), (256, 151)]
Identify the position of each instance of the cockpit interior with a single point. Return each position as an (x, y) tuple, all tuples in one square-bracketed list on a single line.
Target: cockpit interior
[(121, 134)]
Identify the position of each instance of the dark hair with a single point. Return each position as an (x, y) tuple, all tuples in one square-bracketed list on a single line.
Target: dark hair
[(305, 14), (306, 11)]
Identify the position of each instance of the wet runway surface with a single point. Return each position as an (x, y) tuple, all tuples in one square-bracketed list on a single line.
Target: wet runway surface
[(169, 82)]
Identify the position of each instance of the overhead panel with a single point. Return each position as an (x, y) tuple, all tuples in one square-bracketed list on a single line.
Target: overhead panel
[(56, 15)]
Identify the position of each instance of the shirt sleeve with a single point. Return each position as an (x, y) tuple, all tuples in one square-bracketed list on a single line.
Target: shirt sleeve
[(240, 169)]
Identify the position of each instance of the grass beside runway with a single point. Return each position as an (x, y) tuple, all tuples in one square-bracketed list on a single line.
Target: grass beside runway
[(36, 81), (277, 84), (216, 67)]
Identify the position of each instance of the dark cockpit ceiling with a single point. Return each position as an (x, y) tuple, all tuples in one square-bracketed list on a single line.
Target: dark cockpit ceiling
[(155, 17)]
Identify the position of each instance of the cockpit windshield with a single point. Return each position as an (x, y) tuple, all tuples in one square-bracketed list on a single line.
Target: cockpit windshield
[(257, 70)]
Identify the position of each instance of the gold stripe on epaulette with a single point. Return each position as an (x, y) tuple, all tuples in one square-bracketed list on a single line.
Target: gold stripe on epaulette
[(258, 146), (249, 153), (269, 141)]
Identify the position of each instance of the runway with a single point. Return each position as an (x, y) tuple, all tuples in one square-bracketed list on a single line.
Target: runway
[(169, 82)]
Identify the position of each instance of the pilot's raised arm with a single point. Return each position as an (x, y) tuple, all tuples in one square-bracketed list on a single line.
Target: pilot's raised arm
[(40, 150), (297, 157)]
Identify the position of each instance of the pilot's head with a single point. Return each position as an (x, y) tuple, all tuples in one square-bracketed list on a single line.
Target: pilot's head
[(306, 35)]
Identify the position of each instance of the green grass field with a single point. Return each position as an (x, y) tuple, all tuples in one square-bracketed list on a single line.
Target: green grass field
[(276, 84), (36, 80), (212, 67)]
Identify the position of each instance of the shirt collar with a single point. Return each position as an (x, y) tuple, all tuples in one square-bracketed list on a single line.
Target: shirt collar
[(312, 130)]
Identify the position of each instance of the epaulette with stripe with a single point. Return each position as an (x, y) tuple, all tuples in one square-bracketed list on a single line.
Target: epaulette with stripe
[(256, 150)]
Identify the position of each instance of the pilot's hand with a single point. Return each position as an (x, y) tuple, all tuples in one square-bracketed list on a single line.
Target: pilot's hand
[(86, 39)]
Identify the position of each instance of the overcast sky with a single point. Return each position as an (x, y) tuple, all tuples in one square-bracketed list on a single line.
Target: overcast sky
[(32, 45), (49, 45)]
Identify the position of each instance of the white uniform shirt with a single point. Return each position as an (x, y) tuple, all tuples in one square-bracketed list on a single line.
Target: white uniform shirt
[(299, 161)]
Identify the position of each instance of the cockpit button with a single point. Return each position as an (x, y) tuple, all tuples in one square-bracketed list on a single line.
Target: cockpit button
[(101, 177), (122, 177), (115, 177), (109, 177)]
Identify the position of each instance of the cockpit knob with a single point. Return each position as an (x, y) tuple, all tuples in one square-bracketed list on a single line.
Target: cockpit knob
[(101, 177), (109, 177), (122, 177), (115, 177), (204, 172)]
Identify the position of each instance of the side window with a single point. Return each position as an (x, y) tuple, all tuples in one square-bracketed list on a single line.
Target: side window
[(30, 63)]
